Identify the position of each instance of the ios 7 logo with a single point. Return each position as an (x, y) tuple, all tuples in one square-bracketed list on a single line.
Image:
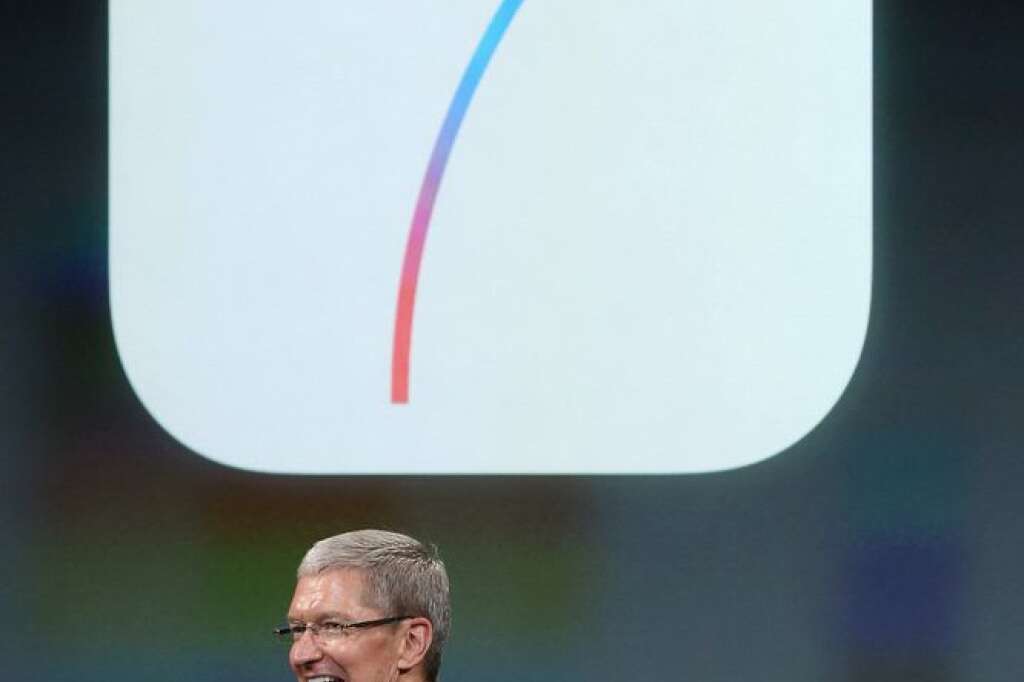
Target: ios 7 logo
[(428, 194)]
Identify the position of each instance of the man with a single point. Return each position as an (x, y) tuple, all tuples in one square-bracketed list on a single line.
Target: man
[(369, 606)]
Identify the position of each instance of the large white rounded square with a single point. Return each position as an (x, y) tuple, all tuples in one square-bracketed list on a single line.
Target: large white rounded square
[(651, 252)]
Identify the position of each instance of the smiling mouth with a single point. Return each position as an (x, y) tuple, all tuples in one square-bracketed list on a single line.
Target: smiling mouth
[(324, 678)]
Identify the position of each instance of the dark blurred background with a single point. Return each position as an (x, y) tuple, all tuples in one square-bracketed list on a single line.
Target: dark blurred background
[(883, 546)]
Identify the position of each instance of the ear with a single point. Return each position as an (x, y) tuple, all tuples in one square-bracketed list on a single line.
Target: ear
[(419, 633)]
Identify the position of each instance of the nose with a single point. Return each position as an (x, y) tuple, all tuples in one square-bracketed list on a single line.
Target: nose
[(305, 650)]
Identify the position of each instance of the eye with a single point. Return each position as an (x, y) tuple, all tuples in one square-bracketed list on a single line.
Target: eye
[(331, 627)]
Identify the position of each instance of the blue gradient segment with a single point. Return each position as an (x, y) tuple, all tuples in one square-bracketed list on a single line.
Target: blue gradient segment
[(470, 80)]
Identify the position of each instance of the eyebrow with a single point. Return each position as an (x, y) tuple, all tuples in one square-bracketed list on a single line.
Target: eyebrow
[(322, 616)]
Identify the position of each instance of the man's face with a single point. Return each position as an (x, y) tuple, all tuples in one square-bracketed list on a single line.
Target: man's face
[(360, 655)]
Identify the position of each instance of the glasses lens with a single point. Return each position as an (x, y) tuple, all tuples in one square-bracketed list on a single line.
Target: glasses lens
[(286, 634)]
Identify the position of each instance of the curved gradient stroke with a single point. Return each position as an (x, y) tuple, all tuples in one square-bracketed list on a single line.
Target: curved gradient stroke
[(428, 193)]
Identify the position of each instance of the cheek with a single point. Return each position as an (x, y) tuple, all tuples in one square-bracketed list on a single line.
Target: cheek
[(344, 655), (378, 658)]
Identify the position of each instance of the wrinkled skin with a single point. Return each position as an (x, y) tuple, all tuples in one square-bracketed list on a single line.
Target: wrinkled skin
[(387, 653)]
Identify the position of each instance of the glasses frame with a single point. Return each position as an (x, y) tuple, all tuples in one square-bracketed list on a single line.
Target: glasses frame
[(287, 634)]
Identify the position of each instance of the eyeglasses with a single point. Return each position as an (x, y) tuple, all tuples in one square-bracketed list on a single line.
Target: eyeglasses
[(328, 631)]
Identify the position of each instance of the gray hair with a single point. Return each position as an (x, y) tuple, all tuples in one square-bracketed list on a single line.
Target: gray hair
[(404, 577)]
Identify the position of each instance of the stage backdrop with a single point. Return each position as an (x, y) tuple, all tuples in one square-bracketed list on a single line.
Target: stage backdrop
[(821, 484)]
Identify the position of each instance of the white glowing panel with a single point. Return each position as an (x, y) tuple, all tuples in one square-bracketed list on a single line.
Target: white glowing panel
[(649, 248)]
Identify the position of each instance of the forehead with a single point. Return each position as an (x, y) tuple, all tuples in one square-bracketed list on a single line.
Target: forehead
[(337, 592)]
